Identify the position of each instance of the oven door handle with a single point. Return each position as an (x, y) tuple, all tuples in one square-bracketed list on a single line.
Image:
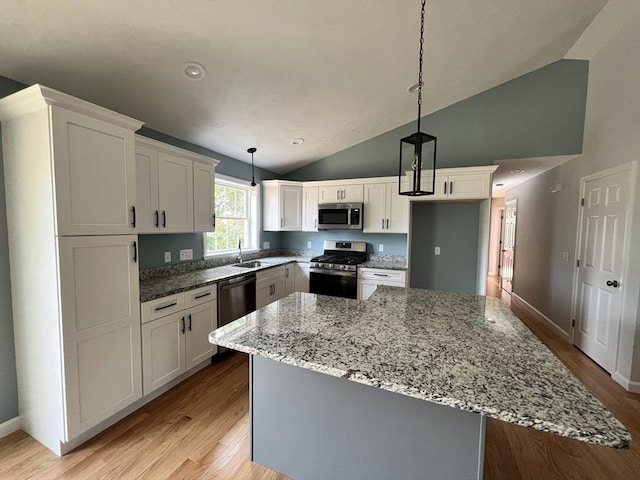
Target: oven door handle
[(340, 273)]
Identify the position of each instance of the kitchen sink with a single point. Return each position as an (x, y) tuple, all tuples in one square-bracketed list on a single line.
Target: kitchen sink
[(253, 264)]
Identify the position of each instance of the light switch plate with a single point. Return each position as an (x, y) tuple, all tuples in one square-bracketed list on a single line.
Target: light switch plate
[(186, 254), (167, 257), (437, 251)]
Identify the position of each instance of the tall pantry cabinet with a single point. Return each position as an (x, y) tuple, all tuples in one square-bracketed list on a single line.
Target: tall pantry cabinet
[(69, 171)]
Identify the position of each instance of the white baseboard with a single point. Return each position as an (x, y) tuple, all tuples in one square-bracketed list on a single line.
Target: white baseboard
[(9, 426), (628, 385), (540, 316)]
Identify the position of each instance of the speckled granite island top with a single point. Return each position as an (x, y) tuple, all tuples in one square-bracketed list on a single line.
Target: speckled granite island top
[(463, 351)]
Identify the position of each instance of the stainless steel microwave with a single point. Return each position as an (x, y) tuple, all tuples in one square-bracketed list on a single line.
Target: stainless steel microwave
[(340, 216)]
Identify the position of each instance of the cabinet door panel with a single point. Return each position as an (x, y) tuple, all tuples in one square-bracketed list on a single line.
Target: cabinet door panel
[(163, 351), (310, 209), (201, 321), (375, 208), (469, 186), (352, 193), (100, 327), (203, 196), (94, 164), (289, 278), (146, 190), (279, 289), (175, 192), (290, 208), (302, 277), (397, 210), (263, 296)]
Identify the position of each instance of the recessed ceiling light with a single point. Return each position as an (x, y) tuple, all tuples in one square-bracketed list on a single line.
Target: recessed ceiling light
[(414, 88), (517, 170), (193, 70), (297, 141)]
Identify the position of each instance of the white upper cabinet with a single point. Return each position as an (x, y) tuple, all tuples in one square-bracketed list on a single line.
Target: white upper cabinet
[(204, 179), (309, 209), (176, 188), (385, 211), (340, 193), (464, 183), (282, 206), (175, 193)]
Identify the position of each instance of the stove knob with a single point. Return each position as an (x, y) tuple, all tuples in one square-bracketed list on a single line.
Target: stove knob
[(331, 265), (343, 267)]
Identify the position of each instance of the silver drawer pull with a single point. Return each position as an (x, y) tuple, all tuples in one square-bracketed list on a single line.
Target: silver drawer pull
[(202, 295), (166, 306), (381, 275)]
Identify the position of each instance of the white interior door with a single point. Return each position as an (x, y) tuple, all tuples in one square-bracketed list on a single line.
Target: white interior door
[(599, 289), (508, 245)]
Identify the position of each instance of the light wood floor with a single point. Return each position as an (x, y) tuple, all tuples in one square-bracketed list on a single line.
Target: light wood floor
[(199, 430)]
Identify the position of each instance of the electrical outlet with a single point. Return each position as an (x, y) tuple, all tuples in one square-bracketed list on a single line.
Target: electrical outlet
[(167, 257), (437, 251), (308, 244), (381, 247), (565, 256), (266, 245), (186, 254)]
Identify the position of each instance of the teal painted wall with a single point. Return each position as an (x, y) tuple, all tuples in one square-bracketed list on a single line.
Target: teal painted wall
[(8, 383), (454, 228), (538, 114), (394, 244)]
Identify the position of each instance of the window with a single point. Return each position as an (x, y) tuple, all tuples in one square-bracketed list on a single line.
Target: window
[(236, 217)]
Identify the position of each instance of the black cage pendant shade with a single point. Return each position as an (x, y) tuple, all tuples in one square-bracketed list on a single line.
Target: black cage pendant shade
[(417, 173), (252, 150)]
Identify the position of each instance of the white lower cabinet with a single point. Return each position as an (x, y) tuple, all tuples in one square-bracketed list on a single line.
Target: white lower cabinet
[(370, 278), (271, 285), (175, 333), (301, 277)]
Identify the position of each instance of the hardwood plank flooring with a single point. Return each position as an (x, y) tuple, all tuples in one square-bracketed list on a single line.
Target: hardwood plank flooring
[(200, 430)]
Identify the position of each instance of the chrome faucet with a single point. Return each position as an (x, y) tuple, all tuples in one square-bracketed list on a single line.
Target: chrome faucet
[(239, 256)]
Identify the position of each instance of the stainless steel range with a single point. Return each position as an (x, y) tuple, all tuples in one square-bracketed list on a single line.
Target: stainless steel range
[(335, 272)]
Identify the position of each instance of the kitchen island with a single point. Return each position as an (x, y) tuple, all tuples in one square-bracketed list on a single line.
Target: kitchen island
[(399, 385)]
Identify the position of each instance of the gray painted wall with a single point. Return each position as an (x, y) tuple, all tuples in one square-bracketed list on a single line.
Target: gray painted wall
[(394, 244), (547, 223), (454, 228), (8, 383), (538, 114)]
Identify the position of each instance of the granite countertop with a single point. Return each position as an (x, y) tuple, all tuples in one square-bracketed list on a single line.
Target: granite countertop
[(172, 284), (388, 262), (463, 351)]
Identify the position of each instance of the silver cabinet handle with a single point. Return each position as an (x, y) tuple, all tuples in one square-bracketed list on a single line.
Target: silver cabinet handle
[(445, 188), (387, 224), (203, 295), (157, 309), (282, 222), (383, 223), (450, 188), (381, 275), (337, 194)]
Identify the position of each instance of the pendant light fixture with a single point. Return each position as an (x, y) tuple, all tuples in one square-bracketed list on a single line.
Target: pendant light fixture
[(252, 150), (418, 151)]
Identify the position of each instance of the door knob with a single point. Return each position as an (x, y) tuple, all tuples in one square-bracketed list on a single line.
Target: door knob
[(613, 283)]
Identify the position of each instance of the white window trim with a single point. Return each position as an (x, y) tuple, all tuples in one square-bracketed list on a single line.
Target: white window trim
[(258, 214)]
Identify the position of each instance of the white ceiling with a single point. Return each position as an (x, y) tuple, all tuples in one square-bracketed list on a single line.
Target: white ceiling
[(334, 72), (514, 171)]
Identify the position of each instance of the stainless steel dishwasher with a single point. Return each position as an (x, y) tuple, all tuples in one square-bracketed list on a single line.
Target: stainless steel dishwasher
[(236, 298)]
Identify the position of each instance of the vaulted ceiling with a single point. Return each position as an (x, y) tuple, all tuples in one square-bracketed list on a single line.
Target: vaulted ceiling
[(332, 72)]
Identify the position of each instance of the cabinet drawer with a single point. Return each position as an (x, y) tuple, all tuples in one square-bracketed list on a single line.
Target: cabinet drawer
[(200, 295), (162, 307), (396, 276), (270, 274)]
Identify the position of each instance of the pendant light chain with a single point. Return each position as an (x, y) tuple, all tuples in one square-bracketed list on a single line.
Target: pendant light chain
[(252, 150), (421, 61)]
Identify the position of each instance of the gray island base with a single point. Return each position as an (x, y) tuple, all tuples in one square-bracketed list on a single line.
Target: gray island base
[(308, 425), (399, 385)]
